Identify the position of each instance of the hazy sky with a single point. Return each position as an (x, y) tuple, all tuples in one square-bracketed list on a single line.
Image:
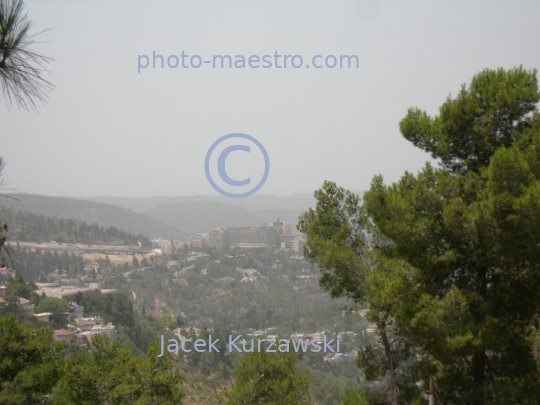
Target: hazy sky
[(109, 130)]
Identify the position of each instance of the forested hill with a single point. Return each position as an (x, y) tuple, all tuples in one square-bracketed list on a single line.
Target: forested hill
[(29, 227), (102, 214)]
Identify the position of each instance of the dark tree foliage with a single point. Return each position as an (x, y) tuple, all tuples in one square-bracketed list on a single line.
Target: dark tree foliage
[(114, 376), (21, 67), (269, 378), (453, 263), (493, 111), (27, 226), (471, 231), (33, 372), (29, 366), (35, 265)]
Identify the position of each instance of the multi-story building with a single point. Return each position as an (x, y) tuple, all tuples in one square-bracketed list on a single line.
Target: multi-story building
[(286, 228), (259, 235), (267, 235), (217, 238), (238, 235), (165, 245), (198, 242), (75, 311), (287, 239), (174, 266), (108, 330), (264, 235), (297, 244)]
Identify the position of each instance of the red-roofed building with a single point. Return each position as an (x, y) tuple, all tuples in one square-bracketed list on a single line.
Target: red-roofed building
[(68, 336)]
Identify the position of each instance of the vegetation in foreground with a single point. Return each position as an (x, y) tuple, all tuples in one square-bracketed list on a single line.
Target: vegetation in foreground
[(448, 259), (34, 372)]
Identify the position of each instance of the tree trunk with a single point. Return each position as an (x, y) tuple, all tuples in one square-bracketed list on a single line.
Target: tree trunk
[(392, 391), (478, 378), (479, 359)]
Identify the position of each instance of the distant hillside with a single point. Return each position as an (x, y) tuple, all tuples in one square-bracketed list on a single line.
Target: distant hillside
[(105, 215), (196, 214), (203, 216), (257, 202), (26, 226), (166, 217)]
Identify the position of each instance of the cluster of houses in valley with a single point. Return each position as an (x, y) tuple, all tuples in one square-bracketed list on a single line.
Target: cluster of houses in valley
[(319, 336), (307, 338), (24, 307), (85, 327)]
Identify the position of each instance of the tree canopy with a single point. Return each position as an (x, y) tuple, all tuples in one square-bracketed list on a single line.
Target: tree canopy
[(33, 372), (453, 260), (270, 379)]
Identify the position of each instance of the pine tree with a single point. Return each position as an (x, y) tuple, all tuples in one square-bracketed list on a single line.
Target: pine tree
[(470, 232), (451, 260)]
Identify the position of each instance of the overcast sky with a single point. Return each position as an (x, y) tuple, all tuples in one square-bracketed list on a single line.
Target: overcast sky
[(109, 130)]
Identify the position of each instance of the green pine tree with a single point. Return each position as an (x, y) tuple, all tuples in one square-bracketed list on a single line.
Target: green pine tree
[(471, 231), (268, 378), (448, 259)]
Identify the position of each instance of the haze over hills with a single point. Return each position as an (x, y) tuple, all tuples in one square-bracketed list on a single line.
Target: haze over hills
[(204, 216), (198, 214), (104, 215), (166, 217), (294, 202), (202, 213)]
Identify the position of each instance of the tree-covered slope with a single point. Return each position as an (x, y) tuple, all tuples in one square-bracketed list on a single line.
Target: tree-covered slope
[(26, 226), (106, 215)]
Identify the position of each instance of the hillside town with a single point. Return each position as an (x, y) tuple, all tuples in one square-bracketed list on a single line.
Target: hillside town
[(78, 329)]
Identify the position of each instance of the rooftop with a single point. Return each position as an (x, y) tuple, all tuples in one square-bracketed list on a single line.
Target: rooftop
[(43, 314), (64, 332)]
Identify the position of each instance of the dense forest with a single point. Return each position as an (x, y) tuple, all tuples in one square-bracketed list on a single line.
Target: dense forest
[(36, 264), (27, 226), (105, 215)]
